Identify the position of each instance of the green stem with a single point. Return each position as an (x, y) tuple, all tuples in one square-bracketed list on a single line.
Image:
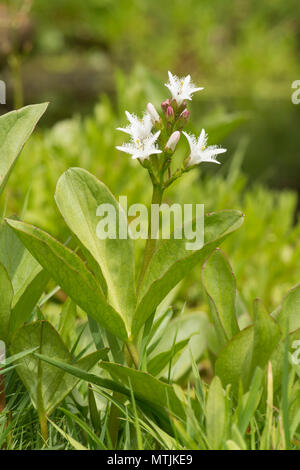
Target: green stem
[(151, 242), (133, 354), (43, 426)]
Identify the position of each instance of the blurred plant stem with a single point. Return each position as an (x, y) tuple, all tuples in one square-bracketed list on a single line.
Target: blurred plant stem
[(2, 381), (2, 393), (14, 62), (151, 242)]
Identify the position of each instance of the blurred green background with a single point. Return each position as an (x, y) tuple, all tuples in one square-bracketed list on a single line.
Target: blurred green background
[(244, 52), (93, 59)]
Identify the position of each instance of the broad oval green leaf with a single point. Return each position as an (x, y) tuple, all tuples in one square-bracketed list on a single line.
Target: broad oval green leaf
[(46, 384), (267, 335), (288, 317), (172, 261), (219, 283), (250, 348), (70, 272), (78, 196), (232, 364), (15, 128)]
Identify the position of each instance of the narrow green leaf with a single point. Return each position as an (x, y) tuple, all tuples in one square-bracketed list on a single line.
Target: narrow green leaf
[(94, 412), (157, 364), (189, 328), (70, 439), (85, 428), (216, 414), (252, 400)]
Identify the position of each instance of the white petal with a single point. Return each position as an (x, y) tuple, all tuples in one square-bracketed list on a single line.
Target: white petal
[(191, 139), (193, 90), (126, 148), (131, 117), (154, 137), (202, 139), (124, 129)]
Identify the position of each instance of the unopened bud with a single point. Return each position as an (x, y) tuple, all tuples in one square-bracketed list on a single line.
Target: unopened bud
[(165, 104), (173, 141), (185, 114), (170, 114), (183, 119), (153, 113)]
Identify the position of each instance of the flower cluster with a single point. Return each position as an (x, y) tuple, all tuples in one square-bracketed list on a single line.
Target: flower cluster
[(153, 134)]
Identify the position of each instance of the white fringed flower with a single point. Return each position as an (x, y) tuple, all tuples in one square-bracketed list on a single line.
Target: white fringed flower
[(141, 148), (181, 88), (199, 151), (138, 128)]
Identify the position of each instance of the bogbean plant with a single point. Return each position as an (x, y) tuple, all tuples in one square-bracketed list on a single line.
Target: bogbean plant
[(129, 316)]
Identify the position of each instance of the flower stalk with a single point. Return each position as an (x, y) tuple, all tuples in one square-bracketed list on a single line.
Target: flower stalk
[(153, 141)]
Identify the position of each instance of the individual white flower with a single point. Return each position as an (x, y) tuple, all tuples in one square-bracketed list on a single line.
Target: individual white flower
[(181, 88), (141, 148), (138, 128), (199, 150), (153, 113)]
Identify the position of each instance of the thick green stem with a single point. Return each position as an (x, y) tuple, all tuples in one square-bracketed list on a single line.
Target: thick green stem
[(134, 355), (151, 242), (43, 426)]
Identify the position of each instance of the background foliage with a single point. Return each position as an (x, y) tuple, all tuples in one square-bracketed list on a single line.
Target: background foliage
[(93, 60)]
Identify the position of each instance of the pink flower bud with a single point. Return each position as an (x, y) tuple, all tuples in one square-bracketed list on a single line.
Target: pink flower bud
[(185, 115), (170, 114), (153, 113), (183, 119), (173, 141), (165, 105)]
